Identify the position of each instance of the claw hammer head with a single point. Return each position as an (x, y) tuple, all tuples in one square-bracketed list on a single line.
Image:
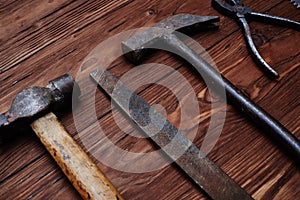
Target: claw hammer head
[(137, 46)]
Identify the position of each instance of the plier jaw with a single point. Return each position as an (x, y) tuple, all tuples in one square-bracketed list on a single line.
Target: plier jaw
[(236, 10), (232, 8)]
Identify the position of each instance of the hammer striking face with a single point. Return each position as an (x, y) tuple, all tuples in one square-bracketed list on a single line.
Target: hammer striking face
[(32, 108), (33, 102), (136, 47)]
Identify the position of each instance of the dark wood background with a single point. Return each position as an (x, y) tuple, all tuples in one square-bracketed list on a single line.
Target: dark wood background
[(40, 40)]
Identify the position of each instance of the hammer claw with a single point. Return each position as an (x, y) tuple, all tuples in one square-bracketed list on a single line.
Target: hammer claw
[(234, 95), (136, 47), (185, 21)]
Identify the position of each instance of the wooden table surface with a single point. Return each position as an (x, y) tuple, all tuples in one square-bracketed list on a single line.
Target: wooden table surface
[(41, 40)]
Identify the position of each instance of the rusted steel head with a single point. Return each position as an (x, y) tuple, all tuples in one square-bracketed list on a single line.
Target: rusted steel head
[(33, 102), (136, 47)]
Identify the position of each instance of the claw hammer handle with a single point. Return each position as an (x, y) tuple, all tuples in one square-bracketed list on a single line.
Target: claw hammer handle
[(237, 98), (86, 177)]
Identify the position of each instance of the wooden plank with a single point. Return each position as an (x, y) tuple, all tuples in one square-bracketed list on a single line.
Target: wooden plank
[(40, 179), (55, 38), (21, 15)]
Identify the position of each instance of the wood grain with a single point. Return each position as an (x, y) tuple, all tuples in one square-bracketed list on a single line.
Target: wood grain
[(41, 40), (85, 176)]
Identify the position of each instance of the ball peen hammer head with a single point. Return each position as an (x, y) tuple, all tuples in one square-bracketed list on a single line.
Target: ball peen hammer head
[(137, 46), (34, 102)]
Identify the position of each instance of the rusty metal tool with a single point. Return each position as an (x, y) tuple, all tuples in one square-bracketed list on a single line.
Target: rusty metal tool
[(135, 48), (193, 162), (32, 107), (296, 3), (236, 9)]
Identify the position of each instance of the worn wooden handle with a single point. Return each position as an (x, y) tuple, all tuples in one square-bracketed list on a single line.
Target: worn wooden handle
[(85, 176)]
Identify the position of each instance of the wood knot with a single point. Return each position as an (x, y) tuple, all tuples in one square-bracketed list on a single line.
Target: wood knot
[(258, 39), (151, 12)]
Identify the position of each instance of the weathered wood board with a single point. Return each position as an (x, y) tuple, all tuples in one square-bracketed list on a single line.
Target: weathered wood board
[(41, 40)]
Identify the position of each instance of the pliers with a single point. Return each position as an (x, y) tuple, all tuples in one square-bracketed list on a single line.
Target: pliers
[(236, 9)]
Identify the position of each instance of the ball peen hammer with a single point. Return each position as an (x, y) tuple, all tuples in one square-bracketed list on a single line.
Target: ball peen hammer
[(163, 35), (33, 106)]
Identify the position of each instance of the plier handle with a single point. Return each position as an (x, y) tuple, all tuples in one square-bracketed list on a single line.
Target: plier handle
[(236, 9)]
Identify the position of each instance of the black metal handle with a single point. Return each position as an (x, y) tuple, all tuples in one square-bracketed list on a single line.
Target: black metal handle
[(238, 99), (254, 52), (265, 18)]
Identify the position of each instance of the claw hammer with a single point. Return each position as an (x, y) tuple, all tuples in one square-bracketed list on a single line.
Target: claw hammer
[(163, 36)]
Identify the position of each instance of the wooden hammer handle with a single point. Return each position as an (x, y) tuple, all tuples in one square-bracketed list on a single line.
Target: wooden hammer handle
[(85, 176)]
